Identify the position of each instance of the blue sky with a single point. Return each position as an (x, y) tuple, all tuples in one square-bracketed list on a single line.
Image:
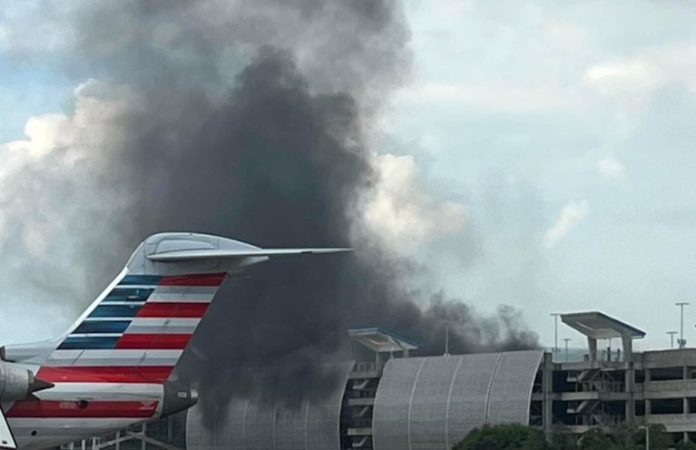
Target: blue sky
[(549, 147), (27, 90)]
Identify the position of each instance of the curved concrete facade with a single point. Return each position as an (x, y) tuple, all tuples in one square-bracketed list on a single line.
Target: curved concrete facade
[(250, 426), (432, 403)]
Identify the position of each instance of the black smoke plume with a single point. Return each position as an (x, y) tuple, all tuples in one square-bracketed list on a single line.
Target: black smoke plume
[(272, 149), (279, 166)]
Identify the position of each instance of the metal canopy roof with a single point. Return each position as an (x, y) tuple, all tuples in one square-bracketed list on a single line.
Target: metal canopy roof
[(597, 325), (381, 341)]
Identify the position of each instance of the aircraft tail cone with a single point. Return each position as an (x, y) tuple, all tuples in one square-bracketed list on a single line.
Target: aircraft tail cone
[(39, 385)]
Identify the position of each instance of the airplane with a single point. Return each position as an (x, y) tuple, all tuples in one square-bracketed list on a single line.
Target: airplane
[(112, 368)]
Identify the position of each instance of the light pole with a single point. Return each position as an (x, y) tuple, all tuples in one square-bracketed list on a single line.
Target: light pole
[(647, 435), (555, 332), (671, 338), (447, 340), (566, 340), (681, 306)]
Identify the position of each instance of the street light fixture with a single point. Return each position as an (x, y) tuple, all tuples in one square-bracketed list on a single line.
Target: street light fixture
[(681, 305)]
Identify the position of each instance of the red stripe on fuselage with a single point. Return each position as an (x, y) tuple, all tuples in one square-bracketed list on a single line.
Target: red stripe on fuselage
[(153, 341), (109, 374), (206, 279), (167, 310), (83, 409)]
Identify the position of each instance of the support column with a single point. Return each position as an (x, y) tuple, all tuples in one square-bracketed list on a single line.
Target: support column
[(630, 408), (648, 402), (627, 341), (547, 389), (592, 348), (685, 400), (629, 378), (143, 444)]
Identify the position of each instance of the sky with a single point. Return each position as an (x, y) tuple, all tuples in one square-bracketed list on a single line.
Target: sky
[(565, 132), (537, 154)]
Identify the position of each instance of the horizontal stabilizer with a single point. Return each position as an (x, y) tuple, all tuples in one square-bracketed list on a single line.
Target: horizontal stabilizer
[(201, 254), (7, 441)]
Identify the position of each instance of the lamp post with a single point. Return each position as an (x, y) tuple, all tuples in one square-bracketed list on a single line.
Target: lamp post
[(447, 340), (647, 435), (681, 306), (671, 338), (555, 332)]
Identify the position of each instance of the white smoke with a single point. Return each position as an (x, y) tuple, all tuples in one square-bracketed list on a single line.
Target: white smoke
[(402, 212)]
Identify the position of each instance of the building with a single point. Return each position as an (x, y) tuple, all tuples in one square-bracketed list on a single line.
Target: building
[(617, 387), (388, 400)]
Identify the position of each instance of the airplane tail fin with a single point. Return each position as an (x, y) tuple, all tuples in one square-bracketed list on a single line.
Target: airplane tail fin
[(137, 329)]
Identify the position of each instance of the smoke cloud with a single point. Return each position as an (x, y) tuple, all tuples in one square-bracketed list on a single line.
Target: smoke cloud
[(247, 119)]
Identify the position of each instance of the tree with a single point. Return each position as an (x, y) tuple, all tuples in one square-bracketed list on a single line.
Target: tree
[(659, 439), (625, 438), (562, 438), (688, 445), (520, 437), (504, 437), (595, 439)]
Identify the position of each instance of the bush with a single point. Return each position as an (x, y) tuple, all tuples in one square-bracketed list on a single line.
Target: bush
[(503, 437), (520, 437), (686, 446), (562, 439), (625, 438)]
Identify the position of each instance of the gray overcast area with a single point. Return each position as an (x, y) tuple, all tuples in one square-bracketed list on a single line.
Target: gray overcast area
[(492, 162)]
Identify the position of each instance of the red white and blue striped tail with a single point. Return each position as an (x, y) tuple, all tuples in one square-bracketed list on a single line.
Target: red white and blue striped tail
[(136, 332), (138, 327), (112, 368)]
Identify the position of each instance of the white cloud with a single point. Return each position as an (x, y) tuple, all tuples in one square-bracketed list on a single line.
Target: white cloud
[(484, 96), (402, 212), (32, 168), (611, 169), (636, 74), (571, 215), (54, 187), (651, 68), (44, 133), (98, 106)]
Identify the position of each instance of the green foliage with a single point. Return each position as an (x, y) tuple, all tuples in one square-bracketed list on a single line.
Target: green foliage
[(504, 437), (659, 439), (520, 437), (625, 438), (685, 445), (595, 439), (562, 439)]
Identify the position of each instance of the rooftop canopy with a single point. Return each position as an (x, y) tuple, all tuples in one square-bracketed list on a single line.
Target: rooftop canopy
[(597, 325), (381, 341)]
